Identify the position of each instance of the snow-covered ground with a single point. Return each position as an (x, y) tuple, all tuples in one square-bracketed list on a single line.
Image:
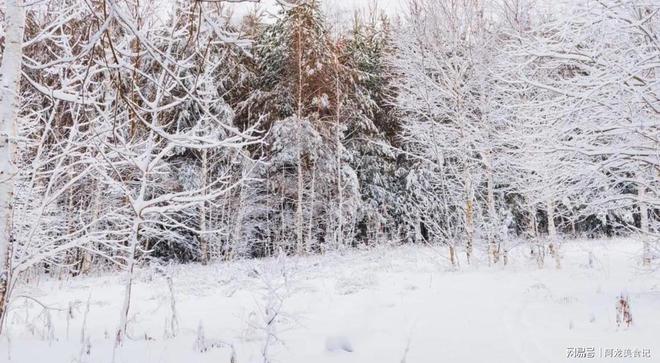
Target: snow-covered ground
[(396, 305)]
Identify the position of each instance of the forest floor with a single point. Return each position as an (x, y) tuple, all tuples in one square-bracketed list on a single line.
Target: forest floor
[(388, 304)]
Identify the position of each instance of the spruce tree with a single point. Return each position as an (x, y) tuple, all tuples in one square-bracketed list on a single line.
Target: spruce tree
[(295, 101), (372, 130)]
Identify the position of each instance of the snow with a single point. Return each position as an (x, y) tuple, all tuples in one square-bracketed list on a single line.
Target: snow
[(402, 304)]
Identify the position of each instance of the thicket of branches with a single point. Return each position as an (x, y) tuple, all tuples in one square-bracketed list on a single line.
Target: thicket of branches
[(129, 132)]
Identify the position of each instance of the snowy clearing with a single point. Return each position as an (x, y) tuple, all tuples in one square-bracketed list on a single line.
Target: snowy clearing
[(387, 304)]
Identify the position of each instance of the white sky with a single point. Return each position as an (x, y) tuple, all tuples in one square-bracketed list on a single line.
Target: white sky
[(334, 9)]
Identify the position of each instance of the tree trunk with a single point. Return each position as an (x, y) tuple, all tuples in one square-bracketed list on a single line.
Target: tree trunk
[(339, 234), (238, 223), (537, 247), (76, 254), (492, 213), (540, 253), (643, 219), (133, 244), (573, 231), (452, 256), (132, 251), (86, 264), (553, 245), (469, 216), (203, 241), (299, 208), (10, 71), (310, 222)]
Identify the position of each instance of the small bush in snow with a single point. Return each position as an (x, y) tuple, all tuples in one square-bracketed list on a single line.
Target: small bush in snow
[(623, 315)]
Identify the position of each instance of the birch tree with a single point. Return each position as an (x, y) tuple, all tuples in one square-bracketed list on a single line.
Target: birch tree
[(603, 55), (443, 91), (10, 71)]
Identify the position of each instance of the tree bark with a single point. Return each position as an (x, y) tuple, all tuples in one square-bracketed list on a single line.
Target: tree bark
[(310, 222), (203, 241), (539, 249), (238, 223), (469, 216), (299, 208), (10, 71), (123, 316), (553, 245), (643, 219), (86, 264), (492, 213), (339, 239), (452, 256)]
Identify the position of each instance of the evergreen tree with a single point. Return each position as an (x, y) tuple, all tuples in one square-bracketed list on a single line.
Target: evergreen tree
[(296, 100), (372, 130)]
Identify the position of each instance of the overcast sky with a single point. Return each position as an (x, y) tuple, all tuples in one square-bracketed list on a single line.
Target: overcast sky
[(333, 8)]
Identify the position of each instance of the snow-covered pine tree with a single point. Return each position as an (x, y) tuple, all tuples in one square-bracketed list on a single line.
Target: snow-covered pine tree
[(221, 75), (296, 99), (372, 128)]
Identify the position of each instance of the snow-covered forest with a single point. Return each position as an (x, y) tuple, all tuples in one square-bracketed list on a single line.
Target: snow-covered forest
[(175, 143)]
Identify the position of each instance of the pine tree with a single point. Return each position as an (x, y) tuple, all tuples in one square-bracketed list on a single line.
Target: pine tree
[(295, 100), (372, 129)]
